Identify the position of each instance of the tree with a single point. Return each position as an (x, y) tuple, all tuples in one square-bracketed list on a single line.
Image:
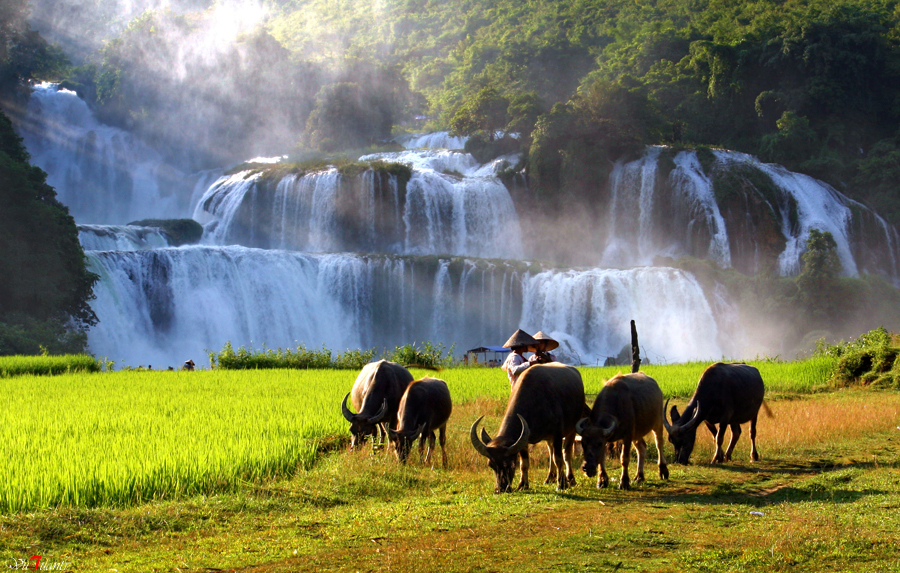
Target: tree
[(46, 286), (485, 113), (24, 54), (818, 285), (347, 115)]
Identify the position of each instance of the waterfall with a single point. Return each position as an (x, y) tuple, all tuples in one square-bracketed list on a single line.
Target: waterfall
[(102, 173), (120, 238), (440, 254), (164, 306), (451, 205), (436, 140), (666, 204), (589, 311)]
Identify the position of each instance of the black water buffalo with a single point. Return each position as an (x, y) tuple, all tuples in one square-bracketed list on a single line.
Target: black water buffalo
[(546, 403), (629, 407), (425, 407), (728, 395), (376, 398)]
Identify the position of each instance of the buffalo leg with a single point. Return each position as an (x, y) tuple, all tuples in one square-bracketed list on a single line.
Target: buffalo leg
[(735, 436), (641, 446), (551, 474), (523, 482), (442, 438), (568, 446), (625, 482), (719, 456), (562, 481), (603, 478), (754, 454), (663, 466), (430, 438), (712, 428)]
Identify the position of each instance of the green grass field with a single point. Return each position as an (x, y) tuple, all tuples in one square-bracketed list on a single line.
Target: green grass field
[(122, 438)]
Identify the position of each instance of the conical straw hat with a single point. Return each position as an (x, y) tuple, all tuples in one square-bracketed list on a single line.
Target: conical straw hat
[(520, 338), (545, 343)]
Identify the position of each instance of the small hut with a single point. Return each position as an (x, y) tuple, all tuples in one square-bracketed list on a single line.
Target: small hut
[(492, 356)]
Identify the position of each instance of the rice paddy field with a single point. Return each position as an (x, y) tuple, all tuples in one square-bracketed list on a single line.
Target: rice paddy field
[(122, 438), (248, 471)]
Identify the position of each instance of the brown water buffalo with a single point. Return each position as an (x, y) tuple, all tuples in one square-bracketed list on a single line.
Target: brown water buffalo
[(425, 407), (629, 407), (546, 403), (376, 396), (728, 395)]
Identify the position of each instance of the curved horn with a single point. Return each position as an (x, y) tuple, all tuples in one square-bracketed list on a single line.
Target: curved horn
[(479, 446), (581, 426), (485, 437), (695, 419), (377, 417), (345, 410), (522, 442), (669, 427), (608, 430)]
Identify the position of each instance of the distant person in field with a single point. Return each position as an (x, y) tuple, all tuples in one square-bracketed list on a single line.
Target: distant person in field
[(516, 363), (542, 354), (188, 365)]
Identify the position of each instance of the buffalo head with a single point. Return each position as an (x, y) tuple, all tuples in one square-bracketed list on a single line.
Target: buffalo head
[(362, 426), (682, 435), (594, 440), (403, 440), (501, 459)]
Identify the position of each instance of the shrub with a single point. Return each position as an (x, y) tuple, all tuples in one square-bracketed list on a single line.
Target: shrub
[(298, 358), (428, 355), (871, 359)]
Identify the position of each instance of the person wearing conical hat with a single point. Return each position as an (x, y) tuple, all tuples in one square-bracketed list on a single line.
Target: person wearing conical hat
[(519, 343), (542, 353)]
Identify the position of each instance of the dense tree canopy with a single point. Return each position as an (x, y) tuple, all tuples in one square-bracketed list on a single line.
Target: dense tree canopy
[(45, 289)]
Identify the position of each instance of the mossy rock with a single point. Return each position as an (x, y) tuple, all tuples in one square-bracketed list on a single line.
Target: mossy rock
[(178, 231)]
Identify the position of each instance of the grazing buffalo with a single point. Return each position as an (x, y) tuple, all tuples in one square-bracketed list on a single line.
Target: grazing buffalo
[(376, 398), (629, 407), (425, 407), (546, 403), (728, 395)]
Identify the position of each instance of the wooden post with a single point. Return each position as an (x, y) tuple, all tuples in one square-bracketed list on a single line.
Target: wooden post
[(635, 350)]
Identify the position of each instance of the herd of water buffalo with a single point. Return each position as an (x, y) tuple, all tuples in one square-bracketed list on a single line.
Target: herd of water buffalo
[(547, 403)]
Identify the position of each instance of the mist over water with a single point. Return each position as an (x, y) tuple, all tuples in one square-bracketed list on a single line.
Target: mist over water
[(358, 262), (166, 305), (102, 173)]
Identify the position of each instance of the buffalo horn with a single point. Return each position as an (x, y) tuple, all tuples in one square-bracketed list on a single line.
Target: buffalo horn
[(669, 428), (485, 437), (377, 417), (479, 446), (581, 426), (695, 419), (608, 429), (522, 442), (345, 410)]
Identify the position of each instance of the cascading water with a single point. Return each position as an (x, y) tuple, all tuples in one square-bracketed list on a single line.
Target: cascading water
[(120, 238), (680, 212), (451, 205), (102, 173), (426, 277), (156, 305)]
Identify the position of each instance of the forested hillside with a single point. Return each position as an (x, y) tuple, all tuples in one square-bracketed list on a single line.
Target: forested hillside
[(812, 85)]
